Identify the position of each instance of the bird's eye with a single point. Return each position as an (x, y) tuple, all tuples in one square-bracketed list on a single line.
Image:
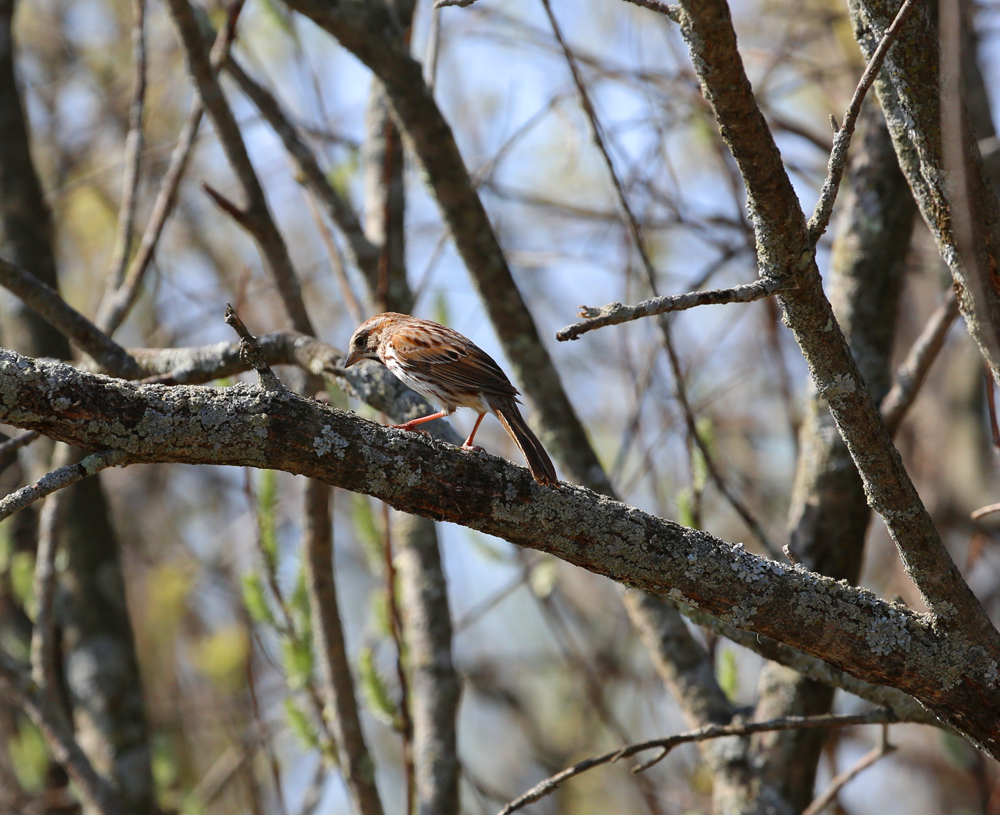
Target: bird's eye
[(359, 340)]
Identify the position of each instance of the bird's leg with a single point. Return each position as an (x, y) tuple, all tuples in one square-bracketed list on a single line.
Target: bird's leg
[(414, 422), (468, 442)]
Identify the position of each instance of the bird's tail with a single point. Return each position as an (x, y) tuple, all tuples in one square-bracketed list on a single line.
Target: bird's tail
[(531, 448)]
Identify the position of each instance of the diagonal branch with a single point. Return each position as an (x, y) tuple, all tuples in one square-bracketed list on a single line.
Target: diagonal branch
[(785, 252), (46, 302), (839, 781), (133, 149), (939, 154), (666, 335), (914, 369), (258, 219), (362, 251), (842, 140), (94, 790)]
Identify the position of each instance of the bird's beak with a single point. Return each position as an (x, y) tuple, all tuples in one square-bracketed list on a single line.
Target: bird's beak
[(352, 357)]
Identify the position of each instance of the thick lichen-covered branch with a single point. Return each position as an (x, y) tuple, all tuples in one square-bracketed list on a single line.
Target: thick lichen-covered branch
[(875, 640)]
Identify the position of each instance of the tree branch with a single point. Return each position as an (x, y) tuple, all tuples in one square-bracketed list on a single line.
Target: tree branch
[(665, 745), (616, 313), (939, 154), (258, 220), (880, 642), (785, 252), (913, 371), (117, 302), (842, 140), (46, 302), (57, 480), (94, 790)]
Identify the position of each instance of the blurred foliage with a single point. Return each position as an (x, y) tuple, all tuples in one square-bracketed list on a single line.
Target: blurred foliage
[(29, 756)]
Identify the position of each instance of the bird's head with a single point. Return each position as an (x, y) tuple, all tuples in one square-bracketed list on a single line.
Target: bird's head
[(365, 341)]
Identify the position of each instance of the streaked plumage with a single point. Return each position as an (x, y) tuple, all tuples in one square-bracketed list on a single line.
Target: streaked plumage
[(451, 370)]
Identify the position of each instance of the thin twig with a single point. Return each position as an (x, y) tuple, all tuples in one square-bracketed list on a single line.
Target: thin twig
[(396, 631), (658, 7), (616, 313), (362, 251), (356, 762), (474, 614), (133, 150), (11, 446), (336, 259), (665, 745), (43, 649), (842, 140), (594, 688), (982, 512), (265, 738), (251, 354), (828, 795), (57, 479), (911, 374), (286, 625), (710, 466)]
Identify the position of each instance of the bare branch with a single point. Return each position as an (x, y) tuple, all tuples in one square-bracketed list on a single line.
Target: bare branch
[(842, 779), (842, 140), (665, 745), (616, 313), (635, 231), (250, 352), (9, 448), (58, 479), (880, 642), (363, 252), (982, 512), (911, 374), (47, 303), (939, 154), (133, 149), (43, 648), (785, 251)]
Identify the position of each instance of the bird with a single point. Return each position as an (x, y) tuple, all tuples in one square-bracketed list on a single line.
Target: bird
[(452, 371)]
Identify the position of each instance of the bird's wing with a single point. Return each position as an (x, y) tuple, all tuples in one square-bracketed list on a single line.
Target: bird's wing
[(451, 359)]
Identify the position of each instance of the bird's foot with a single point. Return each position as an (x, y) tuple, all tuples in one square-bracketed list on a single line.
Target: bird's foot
[(408, 426)]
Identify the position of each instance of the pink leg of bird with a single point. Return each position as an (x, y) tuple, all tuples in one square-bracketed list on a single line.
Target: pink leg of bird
[(414, 422), (468, 442)]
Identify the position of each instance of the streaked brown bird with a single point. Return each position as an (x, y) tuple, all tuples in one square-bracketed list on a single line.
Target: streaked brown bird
[(451, 370)]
